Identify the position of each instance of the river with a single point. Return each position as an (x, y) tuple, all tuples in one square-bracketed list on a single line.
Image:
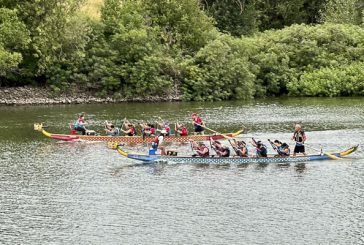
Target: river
[(85, 193)]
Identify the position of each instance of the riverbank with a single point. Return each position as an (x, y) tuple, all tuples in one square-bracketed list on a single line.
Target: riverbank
[(42, 95)]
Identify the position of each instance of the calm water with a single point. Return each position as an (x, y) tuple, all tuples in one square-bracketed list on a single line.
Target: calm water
[(84, 193)]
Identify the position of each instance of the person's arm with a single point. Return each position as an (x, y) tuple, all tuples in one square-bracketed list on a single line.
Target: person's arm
[(304, 137), (126, 131)]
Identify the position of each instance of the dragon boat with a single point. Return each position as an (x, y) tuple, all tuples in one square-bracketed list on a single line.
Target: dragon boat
[(232, 160), (131, 139)]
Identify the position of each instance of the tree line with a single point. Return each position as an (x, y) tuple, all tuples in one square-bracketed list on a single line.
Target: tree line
[(197, 50)]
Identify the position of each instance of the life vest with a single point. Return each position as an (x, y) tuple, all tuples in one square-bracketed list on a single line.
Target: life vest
[(240, 154), (197, 122), (132, 132), (156, 141), (262, 152), (201, 148), (168, 129), (299, 137), (282, 153), (116, 132), (152, 130), (227, 150), (184, 131)]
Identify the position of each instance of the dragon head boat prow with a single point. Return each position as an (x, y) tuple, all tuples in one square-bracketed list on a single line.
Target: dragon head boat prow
[(38, 126)]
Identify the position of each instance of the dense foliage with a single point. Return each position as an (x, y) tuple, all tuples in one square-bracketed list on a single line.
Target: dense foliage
[(196, 50)]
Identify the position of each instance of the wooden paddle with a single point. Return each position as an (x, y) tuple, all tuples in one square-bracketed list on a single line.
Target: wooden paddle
[(327, 154), (225, 136)]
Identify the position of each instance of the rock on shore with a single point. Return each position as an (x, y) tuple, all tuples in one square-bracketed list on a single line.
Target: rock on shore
[(39, 95)]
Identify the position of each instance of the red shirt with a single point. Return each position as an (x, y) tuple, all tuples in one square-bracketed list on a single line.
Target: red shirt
[(184, 131), (197, 120)]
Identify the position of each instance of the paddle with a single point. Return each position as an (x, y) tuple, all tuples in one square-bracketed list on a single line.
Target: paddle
[(327, 154), (175, 129), (225, 136), (235, 148)]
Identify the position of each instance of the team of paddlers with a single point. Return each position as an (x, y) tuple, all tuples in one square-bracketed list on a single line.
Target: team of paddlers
[(201, 149)]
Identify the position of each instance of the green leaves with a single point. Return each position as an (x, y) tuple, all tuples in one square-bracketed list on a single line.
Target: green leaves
[(14, 38)]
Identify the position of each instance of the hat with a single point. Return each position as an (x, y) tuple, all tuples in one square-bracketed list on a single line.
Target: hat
[(163, 131), (194, 115)]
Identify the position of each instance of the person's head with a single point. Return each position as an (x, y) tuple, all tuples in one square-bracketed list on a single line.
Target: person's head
[(112, 126), (297, 127), (130, 125), (163, 131), (194, 115), (82, 114), (201, 144), (259, 144), (277, 143), (241, 143), (217, 143), (284, 145)]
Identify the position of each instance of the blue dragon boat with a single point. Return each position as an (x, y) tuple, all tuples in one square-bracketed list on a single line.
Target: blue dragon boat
[(233, 160)]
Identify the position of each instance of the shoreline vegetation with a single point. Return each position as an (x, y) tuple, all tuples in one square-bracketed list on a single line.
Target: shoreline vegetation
[(28, 95), (102, 51)]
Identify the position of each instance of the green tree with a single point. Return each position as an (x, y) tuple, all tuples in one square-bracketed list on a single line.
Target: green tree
[(14, 38), (220, 71), (343, 11), (238, 17)]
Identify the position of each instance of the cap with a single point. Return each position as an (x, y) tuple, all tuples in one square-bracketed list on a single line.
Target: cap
[(163, 131), (194, 115)]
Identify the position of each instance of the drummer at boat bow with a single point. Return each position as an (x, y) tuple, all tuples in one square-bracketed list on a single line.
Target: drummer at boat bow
[(221, 151), (299, 137), (197, 124), (201, 149)]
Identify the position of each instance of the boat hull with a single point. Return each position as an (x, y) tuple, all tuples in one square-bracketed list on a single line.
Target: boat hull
[(232, 160)]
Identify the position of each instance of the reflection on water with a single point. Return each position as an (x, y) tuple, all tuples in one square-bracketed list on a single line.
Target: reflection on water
[(84, 193)]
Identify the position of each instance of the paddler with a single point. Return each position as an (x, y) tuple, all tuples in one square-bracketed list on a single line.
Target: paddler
[(164, 125), (281, 148), (111, 130), (147, 129), (240, 148), (221, 151), (181, 129), (197, 124), (80, 124), (299, 137), (201, 149), (260, 148), (158, 142), (130, 129)]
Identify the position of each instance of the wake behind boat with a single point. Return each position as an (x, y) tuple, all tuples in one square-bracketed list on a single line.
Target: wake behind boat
[(231, 160), (131, 139)]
